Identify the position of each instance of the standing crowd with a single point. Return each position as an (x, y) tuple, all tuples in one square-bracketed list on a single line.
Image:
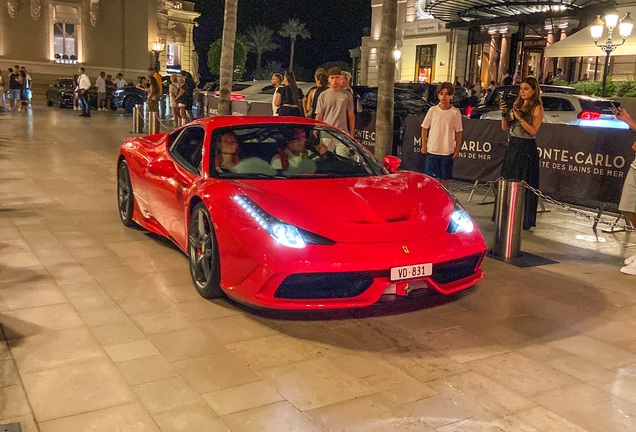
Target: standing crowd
[(19, 89), (330, 100)]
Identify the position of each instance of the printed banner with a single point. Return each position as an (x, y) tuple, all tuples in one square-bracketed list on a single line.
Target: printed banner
[(364, 131), (580, 165)]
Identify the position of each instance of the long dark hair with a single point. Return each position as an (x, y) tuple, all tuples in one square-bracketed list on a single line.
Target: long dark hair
[(527, 111), (291, 79)]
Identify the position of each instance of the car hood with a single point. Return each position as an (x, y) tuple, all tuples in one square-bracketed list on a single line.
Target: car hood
[(384, 208)]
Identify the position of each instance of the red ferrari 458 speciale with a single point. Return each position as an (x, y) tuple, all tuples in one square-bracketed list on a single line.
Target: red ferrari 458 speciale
[(290, 213)]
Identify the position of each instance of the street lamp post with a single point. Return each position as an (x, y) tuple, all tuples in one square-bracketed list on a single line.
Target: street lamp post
[(611, 21), (157, 47)]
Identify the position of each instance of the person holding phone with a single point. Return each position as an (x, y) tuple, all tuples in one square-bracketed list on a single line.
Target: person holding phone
[(521, 162), (627, 204)]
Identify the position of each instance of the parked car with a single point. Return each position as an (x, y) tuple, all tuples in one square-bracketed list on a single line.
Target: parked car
[(61, 93), (461, 99), (259, 91), (405, 101), (574, 110), (130, 95), (509, 92)]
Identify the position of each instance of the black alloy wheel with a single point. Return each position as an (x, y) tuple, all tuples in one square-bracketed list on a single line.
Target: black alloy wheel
[(125, 197), (203, 251), (130, 102)]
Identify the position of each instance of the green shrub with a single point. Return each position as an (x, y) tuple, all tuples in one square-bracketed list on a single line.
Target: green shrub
[(627, 88)]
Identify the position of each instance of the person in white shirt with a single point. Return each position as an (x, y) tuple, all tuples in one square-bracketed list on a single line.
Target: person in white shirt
[(442, 135), (120, 82), (101, 91), (277, 81), (83, 85)]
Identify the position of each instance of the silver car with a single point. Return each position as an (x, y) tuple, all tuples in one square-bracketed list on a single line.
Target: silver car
[(579, 110)]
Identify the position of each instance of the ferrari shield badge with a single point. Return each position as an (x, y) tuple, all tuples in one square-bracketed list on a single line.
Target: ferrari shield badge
[(405, 249)]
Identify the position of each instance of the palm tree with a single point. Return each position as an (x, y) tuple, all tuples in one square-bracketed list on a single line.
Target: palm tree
[(386, 76), (227, 57), (259, 40), (292, 29)]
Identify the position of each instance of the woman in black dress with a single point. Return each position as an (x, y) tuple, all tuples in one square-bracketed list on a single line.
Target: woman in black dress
[(521, 161), (289, 97)]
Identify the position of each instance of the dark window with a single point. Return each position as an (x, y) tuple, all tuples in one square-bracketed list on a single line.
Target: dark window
[(603, 107), (268, 90), (187, 149), (556, 104), (425, 63)]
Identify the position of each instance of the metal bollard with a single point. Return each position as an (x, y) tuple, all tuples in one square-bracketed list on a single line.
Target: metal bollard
[(509, 219), (153, 123), (138, 119)]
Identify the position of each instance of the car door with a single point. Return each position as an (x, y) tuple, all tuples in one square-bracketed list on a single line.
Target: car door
[(172, 179)]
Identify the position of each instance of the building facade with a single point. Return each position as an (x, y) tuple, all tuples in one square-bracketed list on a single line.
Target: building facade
[(52, 38), (486, 40), (428, 49)]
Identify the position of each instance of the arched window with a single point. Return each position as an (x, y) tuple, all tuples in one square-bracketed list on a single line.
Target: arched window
[(65, 34)]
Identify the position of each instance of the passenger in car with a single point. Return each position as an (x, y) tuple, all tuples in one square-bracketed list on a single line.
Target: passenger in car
[(295, 152), (226, 152)]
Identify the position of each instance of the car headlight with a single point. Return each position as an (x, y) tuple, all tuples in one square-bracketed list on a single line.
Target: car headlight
[(460, 221), (285, 234), (118, 92)]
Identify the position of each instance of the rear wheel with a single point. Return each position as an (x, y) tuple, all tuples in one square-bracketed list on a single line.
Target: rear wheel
[(130, 102), (125, 197), (203, 251), (48, 102)]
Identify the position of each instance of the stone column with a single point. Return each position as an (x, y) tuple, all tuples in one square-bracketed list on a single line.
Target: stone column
[(561, 61), (548, 62), (494, 60), (503, 60)]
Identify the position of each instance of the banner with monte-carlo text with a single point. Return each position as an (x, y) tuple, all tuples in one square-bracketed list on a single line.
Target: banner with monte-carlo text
[(580, 165), (364, 131)]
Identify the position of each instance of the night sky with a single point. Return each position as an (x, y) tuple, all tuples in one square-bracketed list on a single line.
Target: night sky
[(335, 26)]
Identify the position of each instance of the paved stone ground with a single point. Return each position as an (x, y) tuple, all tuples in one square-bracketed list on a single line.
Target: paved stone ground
[(103, 331)]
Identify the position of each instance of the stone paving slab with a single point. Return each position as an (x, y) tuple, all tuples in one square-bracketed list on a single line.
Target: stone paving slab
[(93, 339)]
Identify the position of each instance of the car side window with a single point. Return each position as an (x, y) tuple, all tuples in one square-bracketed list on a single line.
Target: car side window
[(187, 150), (550, 104)]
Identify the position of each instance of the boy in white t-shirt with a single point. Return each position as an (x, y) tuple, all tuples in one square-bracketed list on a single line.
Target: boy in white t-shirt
[(442, 135)]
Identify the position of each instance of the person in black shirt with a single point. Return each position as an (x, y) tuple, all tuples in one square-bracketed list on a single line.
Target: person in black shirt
[(189, 88), (289, 97), (15, 88)]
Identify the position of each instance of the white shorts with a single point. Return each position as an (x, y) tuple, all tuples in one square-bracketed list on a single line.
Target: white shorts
[(628, 196)]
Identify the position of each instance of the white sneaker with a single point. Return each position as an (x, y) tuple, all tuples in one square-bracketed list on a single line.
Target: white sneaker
[(630, 260), (629, 269)]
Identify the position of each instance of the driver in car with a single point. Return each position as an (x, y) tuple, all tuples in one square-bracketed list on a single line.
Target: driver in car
[(295, 152)]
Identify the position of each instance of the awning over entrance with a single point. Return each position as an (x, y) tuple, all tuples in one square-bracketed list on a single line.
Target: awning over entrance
[(581, 44), (474, 10)]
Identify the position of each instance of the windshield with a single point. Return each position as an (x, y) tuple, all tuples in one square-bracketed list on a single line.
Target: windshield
[(288, 151)]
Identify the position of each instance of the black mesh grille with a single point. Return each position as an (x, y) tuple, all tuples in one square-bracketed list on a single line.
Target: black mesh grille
[(451, 271), (326, 285)]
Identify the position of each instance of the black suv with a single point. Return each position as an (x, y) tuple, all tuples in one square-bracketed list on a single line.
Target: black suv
[(130, 95), (510, 92), (61, 93)]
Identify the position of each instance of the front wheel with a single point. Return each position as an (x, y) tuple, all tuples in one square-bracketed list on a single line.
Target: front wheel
[(125, 197), (203, 252)]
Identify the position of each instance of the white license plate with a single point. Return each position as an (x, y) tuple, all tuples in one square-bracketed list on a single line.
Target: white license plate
[(411, 271)]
